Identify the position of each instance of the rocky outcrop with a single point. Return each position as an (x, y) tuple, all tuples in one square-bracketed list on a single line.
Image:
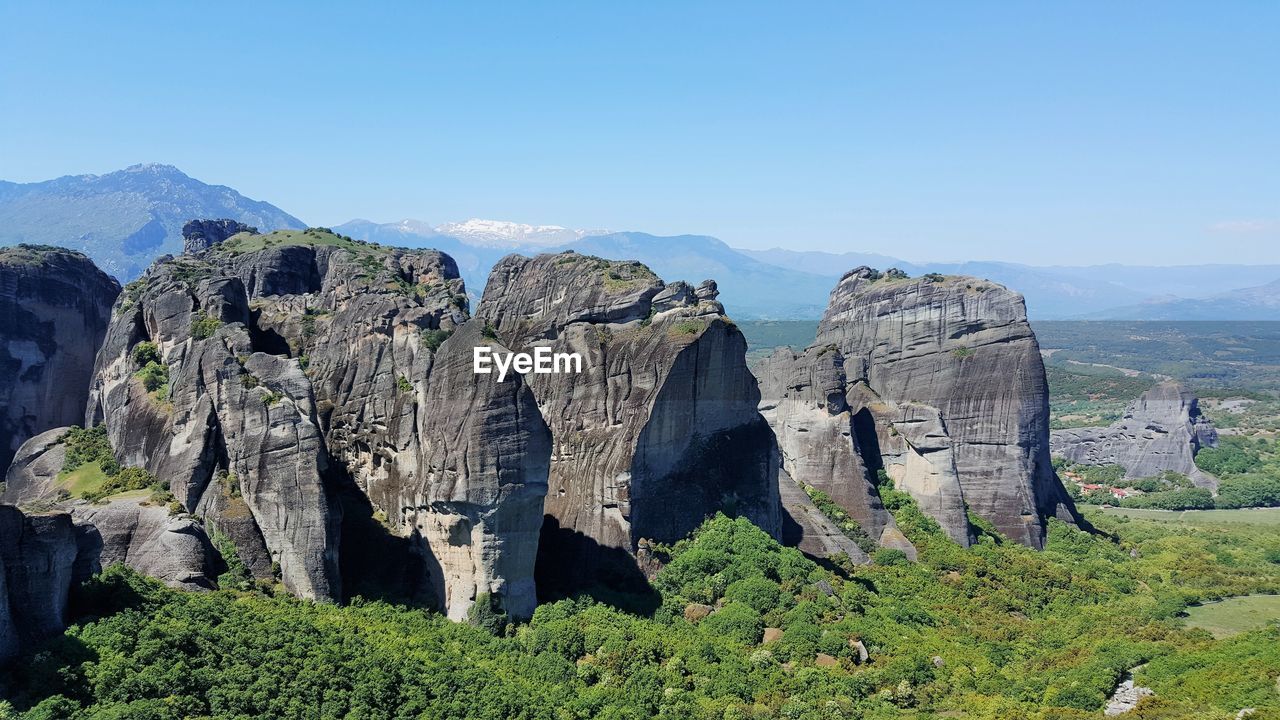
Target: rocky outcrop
[(305, 373), (1160, 431), (200, 235), (54, 308), (39, 556), (33, 474), (147, 538), (477, 507), (946, 391), (814, 425), (660, 427)]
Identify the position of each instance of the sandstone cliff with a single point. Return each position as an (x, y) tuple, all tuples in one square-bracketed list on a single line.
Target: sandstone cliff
[(659, 429), (54, 308), (946, 391), (1160, 431)]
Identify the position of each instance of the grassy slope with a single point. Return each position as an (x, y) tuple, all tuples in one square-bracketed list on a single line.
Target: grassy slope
[(1235, 615)]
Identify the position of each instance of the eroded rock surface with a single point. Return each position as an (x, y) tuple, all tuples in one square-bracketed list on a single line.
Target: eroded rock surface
[(814, 425), (54, 308), (659, 429), (146, 537), (33, 474), (947, 395), (1160, 431), (38, 564), (303, 370)]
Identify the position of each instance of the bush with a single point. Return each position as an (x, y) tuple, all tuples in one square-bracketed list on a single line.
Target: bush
[(145, 353), (737, 622), (86, 445), (758, 593), (204, 326), (487, 613), (433, 339), (154, 377), (890, 557)]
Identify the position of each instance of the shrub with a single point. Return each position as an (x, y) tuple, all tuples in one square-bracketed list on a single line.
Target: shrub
[(890, 557), (487, 613), (758, 593), (433, 339), (145, 353), (736, 621), (204, 326)]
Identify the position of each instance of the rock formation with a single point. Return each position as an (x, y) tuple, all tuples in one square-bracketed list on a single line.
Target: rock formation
[(946, 391), (54, 308), (34, 471), (200, 235), (659, 429), (1160, 431), (40, 558), (299, 369), (146, 537), (819, 447)]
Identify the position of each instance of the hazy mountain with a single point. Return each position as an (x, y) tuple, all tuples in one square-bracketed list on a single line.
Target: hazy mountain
[(750, 289), (823, 263), (125, 219), (1254, 303), (1183, 281)]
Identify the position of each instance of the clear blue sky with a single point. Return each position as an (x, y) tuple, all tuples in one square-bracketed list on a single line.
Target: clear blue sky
[(1074, 132)]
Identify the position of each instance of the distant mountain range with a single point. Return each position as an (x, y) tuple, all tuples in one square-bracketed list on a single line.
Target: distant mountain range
[(125, 219)]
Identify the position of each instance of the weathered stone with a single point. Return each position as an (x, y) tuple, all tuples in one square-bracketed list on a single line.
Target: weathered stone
[(1160, 431), (659, 430), (200, 235), (33, 474), (694, 612), (483, 478), (771, 635), (814, 425), (824, 660), (54, 308), (951, 367), (38, 555), (145, 537), (861, 649)]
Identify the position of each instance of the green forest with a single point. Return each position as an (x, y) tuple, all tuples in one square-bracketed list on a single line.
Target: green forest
[(736, 626)]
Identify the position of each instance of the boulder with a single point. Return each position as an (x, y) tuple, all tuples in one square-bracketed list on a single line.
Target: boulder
[(54, 309), (1160, 431), (694, 612), (33, 474), (145, 537), (824, 660), (771, 635)]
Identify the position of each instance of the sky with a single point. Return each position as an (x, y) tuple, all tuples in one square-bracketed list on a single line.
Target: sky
[(1047, 133)]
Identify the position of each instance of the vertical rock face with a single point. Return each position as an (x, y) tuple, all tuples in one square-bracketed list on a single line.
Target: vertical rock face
[(936, 381), (478, 506), (660, 427), (952, 369), (34, 471), (54, 308), (302, 369), (814, 424), (1160, 431), (38, 562)]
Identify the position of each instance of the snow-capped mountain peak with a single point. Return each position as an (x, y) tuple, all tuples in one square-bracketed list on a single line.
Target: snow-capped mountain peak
[(502, 233)]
